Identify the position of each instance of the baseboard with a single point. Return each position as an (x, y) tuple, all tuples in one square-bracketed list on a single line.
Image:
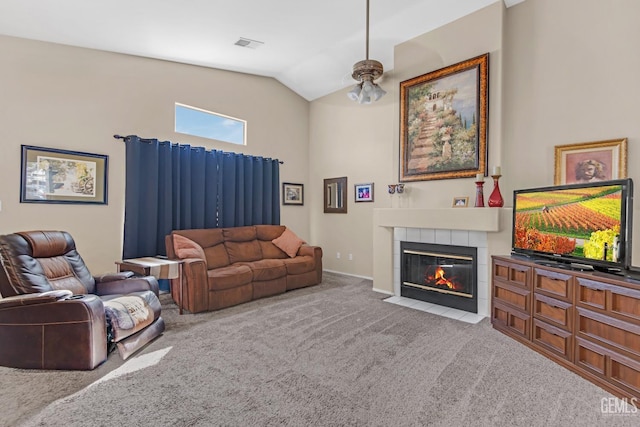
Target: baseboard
[(349, 274), (382, 291)]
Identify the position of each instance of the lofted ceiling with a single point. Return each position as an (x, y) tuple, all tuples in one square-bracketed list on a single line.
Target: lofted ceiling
[(309, 46)]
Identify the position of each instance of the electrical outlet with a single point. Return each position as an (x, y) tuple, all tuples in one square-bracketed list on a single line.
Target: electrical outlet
[(350, 257), (338, 255)]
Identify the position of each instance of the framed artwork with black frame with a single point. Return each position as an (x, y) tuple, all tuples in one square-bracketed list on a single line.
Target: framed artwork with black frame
[(51, 175), (292, 194)]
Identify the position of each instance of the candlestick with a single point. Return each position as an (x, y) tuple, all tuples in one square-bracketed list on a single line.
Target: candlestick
[(495, 199), (479, 194), (496, 171), (479, 177)]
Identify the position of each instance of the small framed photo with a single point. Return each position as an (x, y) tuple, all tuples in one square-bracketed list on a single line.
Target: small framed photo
[(50, 175), (364, 192), (292, 194), (591, 161), (460, 202)]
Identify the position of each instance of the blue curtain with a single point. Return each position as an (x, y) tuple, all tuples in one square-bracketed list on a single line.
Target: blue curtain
[(176, 187)]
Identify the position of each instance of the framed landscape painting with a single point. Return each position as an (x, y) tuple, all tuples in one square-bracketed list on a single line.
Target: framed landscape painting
[(591, 161), (50, 175), (443, 122)]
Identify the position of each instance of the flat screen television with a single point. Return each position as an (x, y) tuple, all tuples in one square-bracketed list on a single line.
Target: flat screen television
[(587, 226)]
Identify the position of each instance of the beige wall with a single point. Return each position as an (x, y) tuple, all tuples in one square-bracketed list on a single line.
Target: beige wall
[(560, 72), (570, 76), (76, 99), (362, 141)]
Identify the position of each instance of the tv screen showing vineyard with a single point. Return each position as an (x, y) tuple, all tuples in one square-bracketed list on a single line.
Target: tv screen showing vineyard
[(583, 221)]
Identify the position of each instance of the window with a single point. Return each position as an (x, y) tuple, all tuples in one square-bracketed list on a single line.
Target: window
[(197, 122)]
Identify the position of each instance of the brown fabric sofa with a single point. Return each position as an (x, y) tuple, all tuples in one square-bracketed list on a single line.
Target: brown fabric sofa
[(229, 266)]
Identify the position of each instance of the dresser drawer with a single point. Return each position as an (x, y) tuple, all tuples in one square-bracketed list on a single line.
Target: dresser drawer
[(552, 338), (511, 320), (609, 365), (556, 312), (612, 298), (514, 274), (617, 333), (512, 295), (553, 284)]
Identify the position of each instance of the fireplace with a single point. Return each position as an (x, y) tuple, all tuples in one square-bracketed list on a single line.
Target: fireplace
[(439, 274)]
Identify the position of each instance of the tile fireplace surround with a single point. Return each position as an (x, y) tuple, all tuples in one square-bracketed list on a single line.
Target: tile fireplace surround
[(488, 229)]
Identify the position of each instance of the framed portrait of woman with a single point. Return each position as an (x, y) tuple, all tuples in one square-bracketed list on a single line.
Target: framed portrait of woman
[(590, 161)]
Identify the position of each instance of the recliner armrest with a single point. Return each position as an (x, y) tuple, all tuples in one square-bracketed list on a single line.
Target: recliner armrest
[(110, 277), (36, 298), (125, 286)]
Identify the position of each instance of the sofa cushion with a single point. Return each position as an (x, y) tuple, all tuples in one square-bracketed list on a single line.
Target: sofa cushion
[(187, 248), (288, 242), (267, 269), (300, 264), (269, 232), (243, 251), (217, 256), (239, 234), (229, 277)]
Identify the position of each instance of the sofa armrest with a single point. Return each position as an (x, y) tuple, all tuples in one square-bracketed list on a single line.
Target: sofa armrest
[(308, 250), (196, 286), (125, 286)]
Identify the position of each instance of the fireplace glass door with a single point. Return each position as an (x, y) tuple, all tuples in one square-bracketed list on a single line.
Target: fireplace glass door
[(441, 274)]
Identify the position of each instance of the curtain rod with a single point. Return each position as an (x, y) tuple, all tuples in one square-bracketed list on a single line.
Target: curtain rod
[(149, 140)]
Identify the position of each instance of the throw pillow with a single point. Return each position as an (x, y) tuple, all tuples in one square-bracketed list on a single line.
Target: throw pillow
[(187, 248), (288, 242)]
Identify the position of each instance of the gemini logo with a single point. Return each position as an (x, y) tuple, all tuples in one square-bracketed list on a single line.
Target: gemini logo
[(615, 406)]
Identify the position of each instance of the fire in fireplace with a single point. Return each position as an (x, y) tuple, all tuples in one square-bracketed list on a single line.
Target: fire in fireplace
[(440, 274)]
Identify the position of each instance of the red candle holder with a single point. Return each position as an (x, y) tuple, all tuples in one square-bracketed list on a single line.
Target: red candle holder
[(495, 199), (479, 194)]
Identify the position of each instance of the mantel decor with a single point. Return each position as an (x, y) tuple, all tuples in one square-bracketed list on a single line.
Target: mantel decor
[(591, 161), (443, 122), (50, 175)]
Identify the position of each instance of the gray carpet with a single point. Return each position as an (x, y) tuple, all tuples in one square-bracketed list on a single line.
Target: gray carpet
[(329, 355)]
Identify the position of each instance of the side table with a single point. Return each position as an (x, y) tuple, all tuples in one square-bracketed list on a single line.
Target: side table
[(160, 268)]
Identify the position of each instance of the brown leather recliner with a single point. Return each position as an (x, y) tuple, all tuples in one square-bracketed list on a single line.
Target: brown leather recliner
[(55, 315)]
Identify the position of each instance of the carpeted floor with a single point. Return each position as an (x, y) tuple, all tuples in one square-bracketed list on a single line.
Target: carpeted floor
[(329, 355)]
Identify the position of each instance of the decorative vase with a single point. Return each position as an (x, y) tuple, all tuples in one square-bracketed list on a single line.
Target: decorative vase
[(392, 188), (495, 199), (479, 194)]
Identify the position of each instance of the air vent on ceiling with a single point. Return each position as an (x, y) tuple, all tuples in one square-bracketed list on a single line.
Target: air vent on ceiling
[(251, 44)]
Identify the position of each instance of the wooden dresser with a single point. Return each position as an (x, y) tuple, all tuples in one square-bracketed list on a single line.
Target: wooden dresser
[(586, 321)]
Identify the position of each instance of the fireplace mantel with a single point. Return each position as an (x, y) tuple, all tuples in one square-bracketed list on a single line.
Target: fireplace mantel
[(472, 219)]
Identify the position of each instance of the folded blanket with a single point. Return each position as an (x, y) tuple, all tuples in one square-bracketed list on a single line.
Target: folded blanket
[(127, 313)]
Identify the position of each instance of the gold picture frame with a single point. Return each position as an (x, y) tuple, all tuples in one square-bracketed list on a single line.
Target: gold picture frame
[(443, 122), (590, 161)]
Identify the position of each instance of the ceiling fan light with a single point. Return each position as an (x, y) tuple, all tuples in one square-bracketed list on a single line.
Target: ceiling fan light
[(355, 92), (378, 92)]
